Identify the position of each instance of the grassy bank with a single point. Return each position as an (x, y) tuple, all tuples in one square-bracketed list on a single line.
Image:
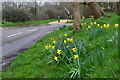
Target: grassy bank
[(96, 50), (12, 24)]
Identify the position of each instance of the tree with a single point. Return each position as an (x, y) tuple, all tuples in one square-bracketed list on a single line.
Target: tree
[(96, 10), (76, 13)]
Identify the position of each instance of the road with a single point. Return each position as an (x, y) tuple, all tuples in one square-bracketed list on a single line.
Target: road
[(16, 39)]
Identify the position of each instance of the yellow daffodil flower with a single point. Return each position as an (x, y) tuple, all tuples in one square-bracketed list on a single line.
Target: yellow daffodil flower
[(54, 42), (71, 40), (92, 16), (68, 39), (108, 25), (74, 49), (98, 24), (82, 24), (116, 25), (59, 51), (91, 23), (49, 46), (75, 56), (65, 41), (65, 35), (67, 46), (53, 47), (56, 58), (83, 17), (89, 26), (52, 38), (95, 22), (101, 27), (46, 47), (105, 26)]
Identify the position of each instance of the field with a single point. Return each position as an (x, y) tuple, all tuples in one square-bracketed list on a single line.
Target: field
[(65, 53)]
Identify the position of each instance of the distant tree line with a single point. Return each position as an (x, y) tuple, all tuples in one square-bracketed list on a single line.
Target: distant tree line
[(32, 11)]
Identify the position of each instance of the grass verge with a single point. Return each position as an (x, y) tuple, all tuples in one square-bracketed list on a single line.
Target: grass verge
[(12, 24), (36, 62)]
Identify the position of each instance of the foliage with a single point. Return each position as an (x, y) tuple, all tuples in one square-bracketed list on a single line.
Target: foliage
[(15, 15)]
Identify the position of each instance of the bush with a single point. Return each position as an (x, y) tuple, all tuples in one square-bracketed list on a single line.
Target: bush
[(15, 15)]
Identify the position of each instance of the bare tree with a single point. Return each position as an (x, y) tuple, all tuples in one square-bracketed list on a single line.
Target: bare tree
[(76, 13)]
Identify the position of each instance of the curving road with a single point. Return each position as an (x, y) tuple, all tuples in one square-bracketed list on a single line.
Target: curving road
[(20, 38)]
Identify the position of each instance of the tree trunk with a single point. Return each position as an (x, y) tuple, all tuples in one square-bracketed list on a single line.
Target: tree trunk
[(118, 8), (76, 13), (96, 10)]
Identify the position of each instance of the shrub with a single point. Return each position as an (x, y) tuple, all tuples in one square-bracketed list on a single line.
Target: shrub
[(15, 15)]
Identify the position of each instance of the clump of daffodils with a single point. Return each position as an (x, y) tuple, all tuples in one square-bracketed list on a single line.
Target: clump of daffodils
[(49, 46), (70, 39)]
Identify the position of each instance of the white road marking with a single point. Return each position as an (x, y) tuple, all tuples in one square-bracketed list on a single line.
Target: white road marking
[(33, 29), (14, 34)]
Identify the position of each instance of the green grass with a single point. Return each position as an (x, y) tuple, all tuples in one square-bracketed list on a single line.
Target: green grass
[(71, 21), (13, 24), (36, 62)]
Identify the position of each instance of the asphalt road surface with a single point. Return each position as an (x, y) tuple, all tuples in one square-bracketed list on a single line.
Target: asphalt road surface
[(20, 38)]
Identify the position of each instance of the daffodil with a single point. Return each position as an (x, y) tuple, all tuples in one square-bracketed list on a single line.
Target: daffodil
[(92, 16), (52, 38), (74, 49), (46, 47), (65, 35), (68, 39), (82, 24), (95, 22), (108, 25), (83, 17), (54, 42), (59, 51), (89, 26), (49, 46), (65, 41), (105, 26), (91, 23), (53, 47), (101, 27), (75, 56), (56, 58), (67, 46), (116, 25), (98, 24), (71, 40)]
